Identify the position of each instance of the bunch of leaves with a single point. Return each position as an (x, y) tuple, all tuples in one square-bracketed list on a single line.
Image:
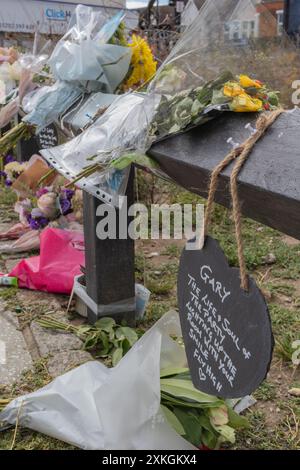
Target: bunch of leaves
[(105, 337), (186, 108), (203, 420), (119, 37), (194, 106)]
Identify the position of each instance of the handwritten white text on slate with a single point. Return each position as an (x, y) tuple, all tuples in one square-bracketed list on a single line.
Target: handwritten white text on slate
[(210, 329), (48, 138)]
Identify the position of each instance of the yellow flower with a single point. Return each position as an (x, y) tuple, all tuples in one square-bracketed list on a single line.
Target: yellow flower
[(14, 168), (247, 82), (232, 89), (245, 104), (143, 65)]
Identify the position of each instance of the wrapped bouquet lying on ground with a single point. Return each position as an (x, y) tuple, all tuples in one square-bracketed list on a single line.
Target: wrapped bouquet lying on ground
[(158, 408), (200, 418)]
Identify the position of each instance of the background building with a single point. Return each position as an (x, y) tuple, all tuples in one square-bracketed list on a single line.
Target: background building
[(19, 19), (263, 18)]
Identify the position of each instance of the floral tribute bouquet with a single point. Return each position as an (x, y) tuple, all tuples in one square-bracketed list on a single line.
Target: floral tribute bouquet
[(12, 76), (94, 56), (18, 73), (48, 205), (12, 170), (207, 73), (203, 420), (10, 72), (142, 65), (194, 106)]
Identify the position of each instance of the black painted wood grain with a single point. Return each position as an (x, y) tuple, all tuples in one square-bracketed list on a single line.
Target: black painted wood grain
[(269, 183), (110, 271)]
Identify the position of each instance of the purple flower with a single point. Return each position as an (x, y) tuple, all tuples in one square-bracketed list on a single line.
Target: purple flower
[(43, 221), (65, 206), (2, 173), (8, 182), (9, 159), (68, 193), (33, 224), (37, 223)]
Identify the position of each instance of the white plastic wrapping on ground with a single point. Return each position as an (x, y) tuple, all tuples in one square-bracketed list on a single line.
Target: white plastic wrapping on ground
[(93, 407)]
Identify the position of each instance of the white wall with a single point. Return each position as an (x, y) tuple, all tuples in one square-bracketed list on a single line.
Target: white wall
[(50, 16), (97, 3)]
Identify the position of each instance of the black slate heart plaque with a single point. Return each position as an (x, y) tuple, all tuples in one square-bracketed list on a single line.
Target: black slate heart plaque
[(227, 331)]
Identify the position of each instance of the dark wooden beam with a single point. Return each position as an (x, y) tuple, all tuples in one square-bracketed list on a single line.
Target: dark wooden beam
[(109, 264), (269, 183)]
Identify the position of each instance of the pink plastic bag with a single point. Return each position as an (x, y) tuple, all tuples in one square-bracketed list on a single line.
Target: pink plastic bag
[(61, 255)]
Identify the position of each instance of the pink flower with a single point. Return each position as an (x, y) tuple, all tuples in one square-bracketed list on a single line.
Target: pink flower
[(40, 192), (47, 203)]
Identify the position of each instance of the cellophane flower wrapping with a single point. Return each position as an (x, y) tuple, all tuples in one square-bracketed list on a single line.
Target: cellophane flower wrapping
[(97, 416), (233, 57), (119, 130), (16, 77), (84, 54), (82, 62)]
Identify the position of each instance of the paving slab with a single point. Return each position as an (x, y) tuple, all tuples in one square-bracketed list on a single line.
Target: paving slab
[(51, 342), (14, 356), (3, 245), (43, 299), (67, 360)]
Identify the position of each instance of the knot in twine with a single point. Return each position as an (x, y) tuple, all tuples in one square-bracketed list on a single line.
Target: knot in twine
[(240, 154)]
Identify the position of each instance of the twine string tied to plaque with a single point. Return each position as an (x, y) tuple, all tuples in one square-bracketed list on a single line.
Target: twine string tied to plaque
[(240, 155)]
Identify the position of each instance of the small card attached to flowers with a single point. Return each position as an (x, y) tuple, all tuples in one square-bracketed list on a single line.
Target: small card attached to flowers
[(226, 330)]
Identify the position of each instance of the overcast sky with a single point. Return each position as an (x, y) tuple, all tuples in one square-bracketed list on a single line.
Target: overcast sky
[(142, 3)]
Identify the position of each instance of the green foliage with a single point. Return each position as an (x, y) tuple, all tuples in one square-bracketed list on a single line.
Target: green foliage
[(266, 391), (200, 418), (7, 196), (284, 347), (105, 337)]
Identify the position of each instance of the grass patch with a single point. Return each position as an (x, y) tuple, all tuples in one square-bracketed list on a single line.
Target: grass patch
[(283, 347), (281, 289), (267, 391), (160, 286), (284, 319), (7, 196), (172, 250), (31, 440), (8, 293), (261, 437)]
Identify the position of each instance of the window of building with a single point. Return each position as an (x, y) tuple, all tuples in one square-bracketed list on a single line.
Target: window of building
[(248, 29), (235, 30), (280, 21)]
